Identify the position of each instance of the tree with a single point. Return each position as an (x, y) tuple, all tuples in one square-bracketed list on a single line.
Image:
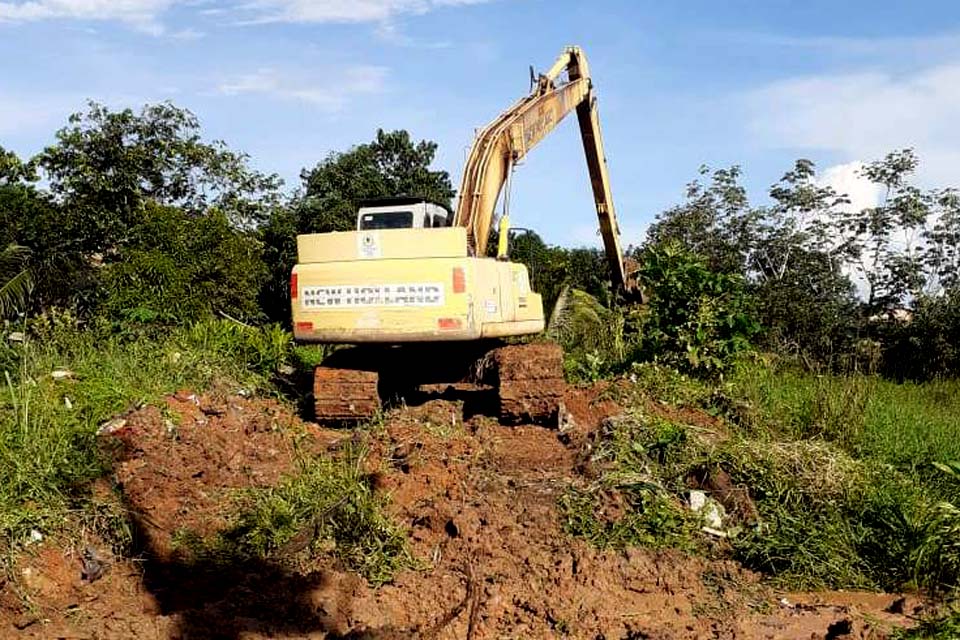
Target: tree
[(177, 268), (716, 221), (802, 296), (882, 244), (108, 164), (697, 319), (942, 252), (390, 165), (108, 174)]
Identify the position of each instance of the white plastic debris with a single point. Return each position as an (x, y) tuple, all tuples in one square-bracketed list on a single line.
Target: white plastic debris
[(16, 336), (710, 510), (61, 374), (111, 426), (35, 536), (67, 402)]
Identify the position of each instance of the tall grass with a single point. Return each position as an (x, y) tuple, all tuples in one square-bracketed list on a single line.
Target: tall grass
[(62, 383), (908, 426)]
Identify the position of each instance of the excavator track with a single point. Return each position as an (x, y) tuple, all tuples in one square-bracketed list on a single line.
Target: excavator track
[(345, 395), (529, 382), (519, 384)]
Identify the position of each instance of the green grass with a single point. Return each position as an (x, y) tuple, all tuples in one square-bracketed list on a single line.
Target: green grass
[(909, 425), (48, 425), (850, 476), (327, 506), (637, 499), (946, 627)]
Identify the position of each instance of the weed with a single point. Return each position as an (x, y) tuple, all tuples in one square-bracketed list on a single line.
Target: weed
[(635, 501), (328, 505), (646, 518), (669, 385), (946, 627)]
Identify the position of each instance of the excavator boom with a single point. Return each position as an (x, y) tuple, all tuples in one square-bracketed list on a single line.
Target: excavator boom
[(506, 140)]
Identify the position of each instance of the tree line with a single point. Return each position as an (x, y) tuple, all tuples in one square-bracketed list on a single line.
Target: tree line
[(133, 222)]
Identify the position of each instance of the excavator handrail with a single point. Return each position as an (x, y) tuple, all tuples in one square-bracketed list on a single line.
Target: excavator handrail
[(508, 138)]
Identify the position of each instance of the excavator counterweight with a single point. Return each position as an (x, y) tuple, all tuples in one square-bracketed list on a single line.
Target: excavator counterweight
[(412, 287)]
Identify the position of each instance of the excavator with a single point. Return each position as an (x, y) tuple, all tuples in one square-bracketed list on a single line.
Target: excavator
[(414, 292)]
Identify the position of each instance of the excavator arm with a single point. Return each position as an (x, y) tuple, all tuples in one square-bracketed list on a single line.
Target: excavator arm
[(506, 140)]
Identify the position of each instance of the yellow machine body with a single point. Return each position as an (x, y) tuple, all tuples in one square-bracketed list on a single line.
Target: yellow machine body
[(407, 285)]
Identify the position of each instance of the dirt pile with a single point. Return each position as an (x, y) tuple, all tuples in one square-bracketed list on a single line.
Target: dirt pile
[(478, 501)]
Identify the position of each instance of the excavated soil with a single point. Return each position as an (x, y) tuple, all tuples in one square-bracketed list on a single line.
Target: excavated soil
[(478, 502)]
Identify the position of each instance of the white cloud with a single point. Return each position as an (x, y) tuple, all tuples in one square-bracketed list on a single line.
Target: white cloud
[(866, 115), (330, 94), (847, 179), (344, 10), (145, 15), (142, 14)]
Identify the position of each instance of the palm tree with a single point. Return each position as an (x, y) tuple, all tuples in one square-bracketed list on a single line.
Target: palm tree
[(15, 280)]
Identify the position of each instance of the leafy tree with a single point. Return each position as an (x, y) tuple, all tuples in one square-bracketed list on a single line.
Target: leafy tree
[(893, 269), (390, 165), (802, 296), (942, 251), (716, 221), (108, 164), (108, 173)]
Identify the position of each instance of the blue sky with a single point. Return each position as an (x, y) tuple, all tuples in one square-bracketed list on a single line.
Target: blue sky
[(680, 84)]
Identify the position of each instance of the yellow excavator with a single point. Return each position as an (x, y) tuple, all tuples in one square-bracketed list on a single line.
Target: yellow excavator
[(415, 293)]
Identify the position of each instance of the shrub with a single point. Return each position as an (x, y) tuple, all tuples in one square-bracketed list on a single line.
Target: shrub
[(696, 320)]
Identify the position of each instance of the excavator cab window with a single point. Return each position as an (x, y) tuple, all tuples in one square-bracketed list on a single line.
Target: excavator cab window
[(386, 220)]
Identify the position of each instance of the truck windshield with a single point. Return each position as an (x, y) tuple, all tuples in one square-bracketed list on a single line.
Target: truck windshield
[(387, 220)]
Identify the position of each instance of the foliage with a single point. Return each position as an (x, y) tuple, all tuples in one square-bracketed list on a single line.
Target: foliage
[(697, 320), (944, 627), (48, 451), (177, 269), (333, 501), (107, 165), (113, 178), (635, 502), (16, 281), (836, 506), (591, 334), (714, 223)]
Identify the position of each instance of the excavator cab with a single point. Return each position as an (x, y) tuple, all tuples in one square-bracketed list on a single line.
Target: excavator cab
[(402, 213)]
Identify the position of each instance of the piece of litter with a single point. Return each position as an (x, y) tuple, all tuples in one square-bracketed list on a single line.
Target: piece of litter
[(67, 402), (111, 426), (61, 374), (35, 536), (710, 510), (16, 336)]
